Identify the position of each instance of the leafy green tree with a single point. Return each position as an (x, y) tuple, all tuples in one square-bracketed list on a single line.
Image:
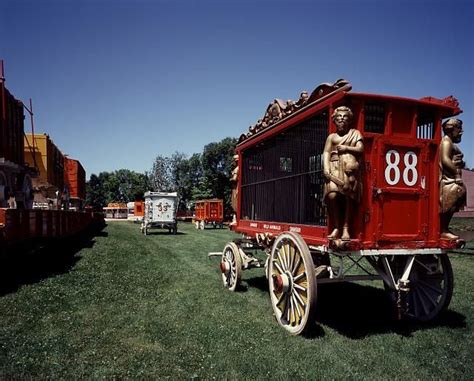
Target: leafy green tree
[(95, 195), (217, 167), (122, 185), (161, 176)]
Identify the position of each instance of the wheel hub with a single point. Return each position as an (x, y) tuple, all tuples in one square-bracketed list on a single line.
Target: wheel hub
[(281, 282), (225, 267)]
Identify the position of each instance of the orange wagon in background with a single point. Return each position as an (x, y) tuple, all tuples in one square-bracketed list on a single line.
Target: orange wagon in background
[(209, 212), (139, 208)]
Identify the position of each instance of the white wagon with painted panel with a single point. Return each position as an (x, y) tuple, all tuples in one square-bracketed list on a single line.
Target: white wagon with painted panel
[(160, 211)]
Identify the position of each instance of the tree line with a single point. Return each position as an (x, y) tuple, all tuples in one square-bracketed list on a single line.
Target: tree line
[(199, 176)]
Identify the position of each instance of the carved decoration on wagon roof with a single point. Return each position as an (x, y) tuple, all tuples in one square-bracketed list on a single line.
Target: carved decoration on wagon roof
[(448, 101), (279, 109)]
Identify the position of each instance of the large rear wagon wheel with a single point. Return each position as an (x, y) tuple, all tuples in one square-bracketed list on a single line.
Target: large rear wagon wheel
[(431, 286), (231, 266), (292, 283)]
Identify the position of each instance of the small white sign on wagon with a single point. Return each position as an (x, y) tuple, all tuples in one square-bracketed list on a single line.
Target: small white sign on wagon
[(160, 211)]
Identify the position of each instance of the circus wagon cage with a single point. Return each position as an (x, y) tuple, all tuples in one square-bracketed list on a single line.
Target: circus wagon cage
[(209, 212), (342, 186)]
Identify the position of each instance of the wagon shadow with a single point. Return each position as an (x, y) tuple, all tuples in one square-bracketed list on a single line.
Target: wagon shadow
[(30, 264), (357, 311), (165, 233)]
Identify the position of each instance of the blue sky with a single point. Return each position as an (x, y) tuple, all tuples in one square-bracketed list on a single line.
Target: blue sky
[(115, 83)]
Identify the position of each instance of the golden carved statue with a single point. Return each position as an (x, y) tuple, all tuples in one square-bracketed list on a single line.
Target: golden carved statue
[(234, 180), (341, 157), (452, 191)]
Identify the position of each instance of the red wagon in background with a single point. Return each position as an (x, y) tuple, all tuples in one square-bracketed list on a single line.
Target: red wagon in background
[(373, 162), (209, 212)]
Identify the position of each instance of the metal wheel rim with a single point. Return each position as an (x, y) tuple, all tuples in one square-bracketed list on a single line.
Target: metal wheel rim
[(232, 256), (294, 307), (431, 286)]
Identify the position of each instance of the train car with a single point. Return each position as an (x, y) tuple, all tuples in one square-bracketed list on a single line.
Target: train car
[(15, 177), (341, 186), (209, 212), (74, 183), (49, 185), (19, 223), (160, 211)]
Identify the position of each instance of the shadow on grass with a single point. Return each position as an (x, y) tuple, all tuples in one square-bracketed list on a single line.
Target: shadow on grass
[(164, 232), (35, 261), (357, 311)]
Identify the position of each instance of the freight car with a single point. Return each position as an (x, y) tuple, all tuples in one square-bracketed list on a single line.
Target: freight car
[(209, 212), (373, 162), (49, 185), (74, 183), (15, 177)]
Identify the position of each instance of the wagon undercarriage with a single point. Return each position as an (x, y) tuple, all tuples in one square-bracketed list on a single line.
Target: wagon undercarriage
[(419, 283)]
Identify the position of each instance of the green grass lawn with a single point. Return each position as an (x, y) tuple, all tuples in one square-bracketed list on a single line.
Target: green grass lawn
[(129, 306)]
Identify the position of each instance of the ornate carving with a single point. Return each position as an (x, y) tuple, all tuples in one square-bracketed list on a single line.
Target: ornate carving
[(279, 109), (448, 101), (452, 190), (327, 88), (234, 180), (343, 187)]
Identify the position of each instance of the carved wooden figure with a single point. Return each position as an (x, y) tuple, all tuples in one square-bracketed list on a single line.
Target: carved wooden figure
[(341, 169), (452, 190)]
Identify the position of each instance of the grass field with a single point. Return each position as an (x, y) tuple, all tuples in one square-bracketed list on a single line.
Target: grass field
[(129, 306)]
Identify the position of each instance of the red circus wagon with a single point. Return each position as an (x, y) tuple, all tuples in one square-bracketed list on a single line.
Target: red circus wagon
[(391, 228), (209, 212)]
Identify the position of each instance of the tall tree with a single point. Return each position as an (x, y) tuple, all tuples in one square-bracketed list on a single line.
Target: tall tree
[(95, 194), (217, 167), (161, 176), (122, 185)]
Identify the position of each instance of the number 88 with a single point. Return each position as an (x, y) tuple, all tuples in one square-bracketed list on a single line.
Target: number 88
[(410, 160)]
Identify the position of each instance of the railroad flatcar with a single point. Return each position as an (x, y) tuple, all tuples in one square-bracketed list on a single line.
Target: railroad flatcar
[(209, 212), (341, 186)]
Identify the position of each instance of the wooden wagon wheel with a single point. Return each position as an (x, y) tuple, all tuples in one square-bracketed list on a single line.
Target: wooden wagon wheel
[(292, 283), (202, 225), (231, 266), (196, 223), (431, 286)]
